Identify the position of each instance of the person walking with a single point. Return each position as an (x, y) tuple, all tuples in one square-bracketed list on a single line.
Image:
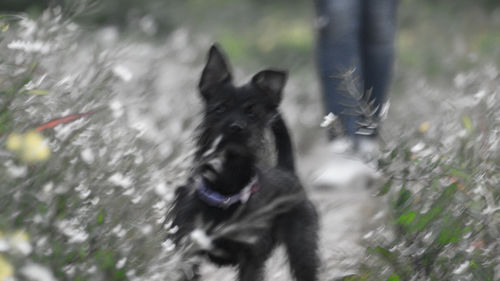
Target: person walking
[(354, 37)]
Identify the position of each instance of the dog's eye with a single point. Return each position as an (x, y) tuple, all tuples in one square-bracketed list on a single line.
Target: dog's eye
[(220, 109), (250, 111)]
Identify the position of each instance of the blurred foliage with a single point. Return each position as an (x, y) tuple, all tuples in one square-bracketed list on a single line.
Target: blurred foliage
[(427, 28), (443, 195), (71, 195), (281, 33), (424, 29)]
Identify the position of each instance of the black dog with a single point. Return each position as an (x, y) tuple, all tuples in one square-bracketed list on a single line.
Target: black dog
[(235, 210)]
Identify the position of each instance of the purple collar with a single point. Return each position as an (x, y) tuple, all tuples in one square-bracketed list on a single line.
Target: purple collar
[(215, 199)]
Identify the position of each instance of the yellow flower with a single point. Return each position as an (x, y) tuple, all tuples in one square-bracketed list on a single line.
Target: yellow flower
[(6, 269), (21, 236), (14, 142), (35, 148), (5, 27), (30, 146), (20, 241), (424, 127)]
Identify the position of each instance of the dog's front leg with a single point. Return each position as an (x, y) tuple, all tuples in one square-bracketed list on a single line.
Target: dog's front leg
[(301, 242), (251, 270)]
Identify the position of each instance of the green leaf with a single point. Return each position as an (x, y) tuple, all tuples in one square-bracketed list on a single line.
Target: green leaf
[(38, 92), (448, 236), (404, 195), (393, 277), (440, 204), (467, 123), (452, 231), (119, 274), (100, 217), (385, 254), (446, 196), (385, 188), (459, 174), (394, 259), (408, 154), (71, 257), (61, 206), (105, 259), (407, 218), (480, 273), (394, 153), (427, 218)]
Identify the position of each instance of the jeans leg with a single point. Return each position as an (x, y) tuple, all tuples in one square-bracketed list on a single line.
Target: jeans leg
[(338, 50), (379, 26)]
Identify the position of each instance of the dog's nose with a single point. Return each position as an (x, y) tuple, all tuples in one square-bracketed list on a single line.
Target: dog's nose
[(237, 127)]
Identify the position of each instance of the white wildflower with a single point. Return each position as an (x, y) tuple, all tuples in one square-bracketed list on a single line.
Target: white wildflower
[(161, 189), (116, 108), (168, 245), (121, 263), (147, 229), (73, 230), (16, 171), (30, 46), (461, 268), (36, 272), (329, 120), (4, 245), (201, 238), (173, 229), (87, 156), (418, 147), (120, 180), (123, 73)]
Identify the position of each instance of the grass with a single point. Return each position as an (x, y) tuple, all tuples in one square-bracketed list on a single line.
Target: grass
[(443, 200), (70, 203)]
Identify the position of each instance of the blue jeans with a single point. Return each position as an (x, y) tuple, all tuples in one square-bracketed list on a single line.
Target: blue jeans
[(354, 34)]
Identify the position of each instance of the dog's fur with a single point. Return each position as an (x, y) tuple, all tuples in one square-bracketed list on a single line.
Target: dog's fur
[(230, 136)]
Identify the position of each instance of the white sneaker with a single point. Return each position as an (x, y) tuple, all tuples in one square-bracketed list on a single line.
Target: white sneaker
[(344, 170), (368, 149), (341, 145)]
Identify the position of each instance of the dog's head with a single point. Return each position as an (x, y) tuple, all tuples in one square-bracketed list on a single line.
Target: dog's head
[(238, 112)]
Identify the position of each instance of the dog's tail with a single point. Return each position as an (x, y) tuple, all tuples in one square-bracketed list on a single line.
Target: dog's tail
[(283, 143)]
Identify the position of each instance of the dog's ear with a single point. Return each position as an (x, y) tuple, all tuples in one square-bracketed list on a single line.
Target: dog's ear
[(216, 70), (271, 82)]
